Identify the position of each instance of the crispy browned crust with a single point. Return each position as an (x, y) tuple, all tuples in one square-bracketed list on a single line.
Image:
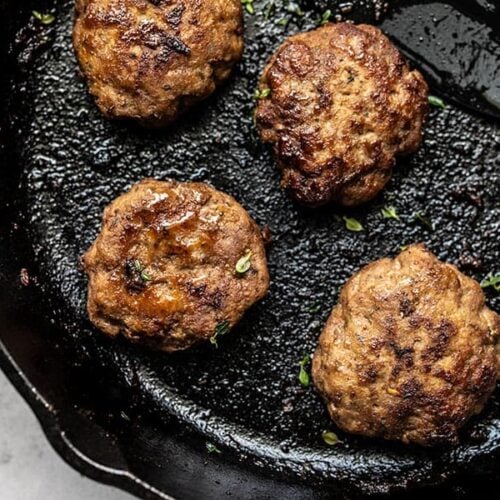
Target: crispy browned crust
[(150, 61), (408, 353), (187, 238), (343, 104)]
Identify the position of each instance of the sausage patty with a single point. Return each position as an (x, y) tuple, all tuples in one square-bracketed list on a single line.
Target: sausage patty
[(151, 60), (339, 104), (408, 353), (175, 263)]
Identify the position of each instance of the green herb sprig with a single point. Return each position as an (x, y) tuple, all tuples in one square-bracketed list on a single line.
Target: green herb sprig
[(248, 4), (43, 18), (269, 10), (352, 224), (304, 378), (325, 17), (389, 212), (243, 265), (221, 329), (423, 220), (211, 448), (491, 281), (262, 94), (330, 438), (140, 269), (437, 102), (294, 9)]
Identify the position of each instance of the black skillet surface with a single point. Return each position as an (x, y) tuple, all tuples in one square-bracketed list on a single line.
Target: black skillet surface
[(141, 420)]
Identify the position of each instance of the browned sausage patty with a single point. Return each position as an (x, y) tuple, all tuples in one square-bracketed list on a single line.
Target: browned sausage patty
[(151, 60), (408, 353), (164, 269), (341, 104)]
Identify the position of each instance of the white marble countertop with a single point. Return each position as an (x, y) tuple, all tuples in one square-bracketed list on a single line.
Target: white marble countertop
[(29, 468)]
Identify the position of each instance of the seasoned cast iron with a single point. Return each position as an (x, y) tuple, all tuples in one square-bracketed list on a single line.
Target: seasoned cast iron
[(140, 419)]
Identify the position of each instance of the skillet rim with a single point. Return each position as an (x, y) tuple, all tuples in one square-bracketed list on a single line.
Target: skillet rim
[(46, 415)]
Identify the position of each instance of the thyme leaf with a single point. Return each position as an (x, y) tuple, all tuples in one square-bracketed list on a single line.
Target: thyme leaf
[(352, 224), (221, 329), (389, 212), (437, 102), (44, 18), (330, 438), (304, 378)]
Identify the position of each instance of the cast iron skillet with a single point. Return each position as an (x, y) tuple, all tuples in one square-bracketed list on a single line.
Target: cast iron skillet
[(141, 420)]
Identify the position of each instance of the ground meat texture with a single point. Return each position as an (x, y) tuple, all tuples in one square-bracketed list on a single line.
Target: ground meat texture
[(163, 269), (408, 353), (151, 60), (341, 104)]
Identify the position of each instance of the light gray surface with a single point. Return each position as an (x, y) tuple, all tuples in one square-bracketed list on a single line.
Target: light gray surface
[(29, 468)]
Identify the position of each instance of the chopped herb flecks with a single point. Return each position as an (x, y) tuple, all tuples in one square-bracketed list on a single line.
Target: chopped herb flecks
[(330, 438), (136, 275), (269, 10), (352, 224), (424, 220), (325, 17), (303, 375), (491, 281), (243, 265), (221, 329), (43, 18), (211, 448), (389, 212), (248, 4), (262, 94), (293, 8), (284, 21), (436, 102), (140, 269)]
